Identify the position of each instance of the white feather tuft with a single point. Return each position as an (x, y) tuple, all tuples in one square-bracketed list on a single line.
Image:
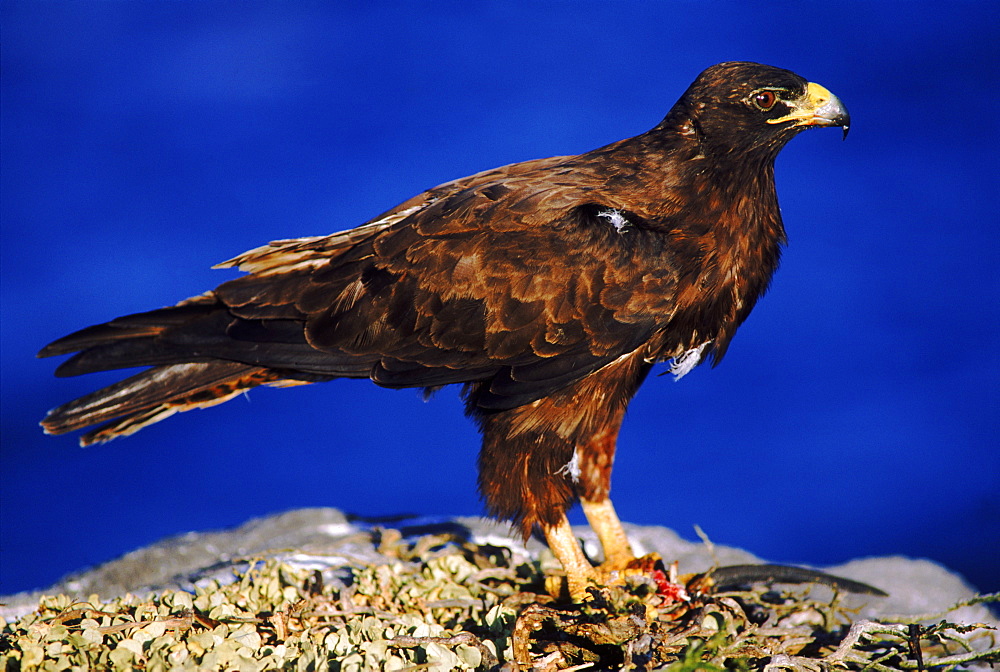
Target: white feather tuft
[(616, 218), (571, 468), (682, 365)]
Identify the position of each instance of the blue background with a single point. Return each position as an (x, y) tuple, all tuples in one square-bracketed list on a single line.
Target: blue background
[(856, 412)]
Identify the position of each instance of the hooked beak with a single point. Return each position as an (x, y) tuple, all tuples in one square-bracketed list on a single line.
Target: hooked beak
[(818, 107)]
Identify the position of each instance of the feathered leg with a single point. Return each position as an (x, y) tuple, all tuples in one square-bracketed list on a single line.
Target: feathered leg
[(538, 458)]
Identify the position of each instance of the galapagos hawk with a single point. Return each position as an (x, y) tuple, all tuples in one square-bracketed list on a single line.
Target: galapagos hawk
[(548, 289)]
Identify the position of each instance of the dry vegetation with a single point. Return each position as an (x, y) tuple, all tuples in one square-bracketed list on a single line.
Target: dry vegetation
[(450, 605)]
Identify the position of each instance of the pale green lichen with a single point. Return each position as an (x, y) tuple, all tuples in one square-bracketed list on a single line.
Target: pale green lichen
[(448, 605)]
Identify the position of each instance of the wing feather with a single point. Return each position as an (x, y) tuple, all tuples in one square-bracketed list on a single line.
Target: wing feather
[(508, 279)]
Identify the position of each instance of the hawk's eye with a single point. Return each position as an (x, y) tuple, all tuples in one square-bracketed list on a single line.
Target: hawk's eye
[(765, 100)]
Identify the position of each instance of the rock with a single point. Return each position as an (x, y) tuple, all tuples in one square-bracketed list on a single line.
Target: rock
[(327, 540)]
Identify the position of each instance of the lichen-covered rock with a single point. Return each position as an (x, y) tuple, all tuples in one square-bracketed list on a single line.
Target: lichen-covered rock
[(310, 589)]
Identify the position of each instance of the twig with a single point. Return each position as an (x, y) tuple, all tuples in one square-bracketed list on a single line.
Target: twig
[(956, 659), (936, 616), (175, 623)]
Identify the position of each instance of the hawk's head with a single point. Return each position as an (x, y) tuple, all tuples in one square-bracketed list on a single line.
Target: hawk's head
[(749, 108)]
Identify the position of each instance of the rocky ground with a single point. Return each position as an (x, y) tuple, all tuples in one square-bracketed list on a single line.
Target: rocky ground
[(322, 547)]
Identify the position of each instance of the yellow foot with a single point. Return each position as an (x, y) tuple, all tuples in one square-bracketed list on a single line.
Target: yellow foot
[(575, 585), (574, 588), (616, 571)]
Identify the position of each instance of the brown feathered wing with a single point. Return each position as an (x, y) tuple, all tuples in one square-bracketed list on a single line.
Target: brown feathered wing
[(491, 280)]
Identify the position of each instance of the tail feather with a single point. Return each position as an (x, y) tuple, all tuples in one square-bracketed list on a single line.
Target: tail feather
[(200, 354), (127, 328), (126, 355), (156, 394), (202, 333)]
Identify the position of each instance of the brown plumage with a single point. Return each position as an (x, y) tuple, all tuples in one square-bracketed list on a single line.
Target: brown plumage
[(547, 288)]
